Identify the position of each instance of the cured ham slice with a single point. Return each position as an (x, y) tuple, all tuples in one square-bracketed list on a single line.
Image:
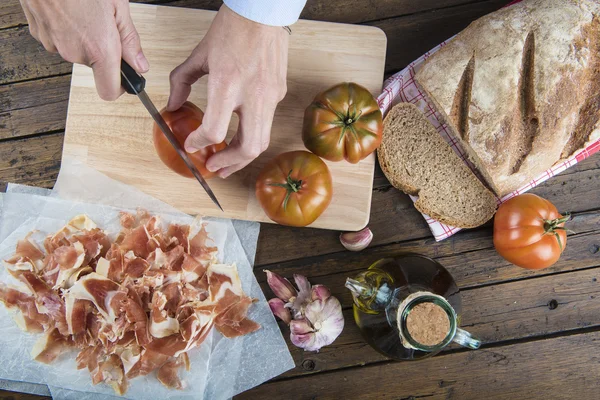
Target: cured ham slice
[(48, 347), (27, 252), (149, 361), (198, 247), (27, 317), (181, 234), (168, 373), (132, 306), (161, 324), (76, 311), (111, 372), (47, 301)]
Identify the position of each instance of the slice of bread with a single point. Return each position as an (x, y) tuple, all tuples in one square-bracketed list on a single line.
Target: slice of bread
[(418, 161)]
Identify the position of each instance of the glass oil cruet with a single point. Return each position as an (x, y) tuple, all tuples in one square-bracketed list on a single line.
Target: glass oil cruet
[(388, 291)]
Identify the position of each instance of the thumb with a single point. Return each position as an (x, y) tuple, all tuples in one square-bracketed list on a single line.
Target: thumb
[(185, 75), (131, 47)]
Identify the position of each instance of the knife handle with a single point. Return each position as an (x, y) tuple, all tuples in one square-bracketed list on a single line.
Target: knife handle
[(130, 80)]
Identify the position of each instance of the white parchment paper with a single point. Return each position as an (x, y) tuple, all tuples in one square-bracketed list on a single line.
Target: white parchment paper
[(221, 367)]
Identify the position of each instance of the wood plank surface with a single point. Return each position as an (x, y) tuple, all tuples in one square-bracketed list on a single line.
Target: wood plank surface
[(11, 14), (541, 329), (33, 161), (412, 35), (394, 218), (562, 367), (347, 11), (44, 99), (498, 313), (23, 58)]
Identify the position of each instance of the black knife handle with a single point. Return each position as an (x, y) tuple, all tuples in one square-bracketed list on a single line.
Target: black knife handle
[(130, 80)]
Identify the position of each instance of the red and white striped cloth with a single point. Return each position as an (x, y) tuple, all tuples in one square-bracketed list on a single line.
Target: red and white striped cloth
[(401, 87)]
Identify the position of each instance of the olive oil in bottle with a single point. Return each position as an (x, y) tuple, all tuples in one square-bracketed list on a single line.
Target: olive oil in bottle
[(378, 291)]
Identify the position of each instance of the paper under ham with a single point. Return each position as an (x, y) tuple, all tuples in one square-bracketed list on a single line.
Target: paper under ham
[(130, 306)]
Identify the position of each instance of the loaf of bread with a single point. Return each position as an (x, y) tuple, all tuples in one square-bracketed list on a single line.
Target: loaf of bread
[(417, 160), (520, 88)]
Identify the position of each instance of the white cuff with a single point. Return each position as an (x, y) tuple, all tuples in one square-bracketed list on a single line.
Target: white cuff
[(268, 12)]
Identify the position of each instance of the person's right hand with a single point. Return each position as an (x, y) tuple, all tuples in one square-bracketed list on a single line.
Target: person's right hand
[(96, 33)]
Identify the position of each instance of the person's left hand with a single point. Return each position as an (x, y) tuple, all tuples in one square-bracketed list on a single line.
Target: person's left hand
[(246, 63)]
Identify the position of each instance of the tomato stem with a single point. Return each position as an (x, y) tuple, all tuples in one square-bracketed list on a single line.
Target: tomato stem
[(291, 185), (551, 226)]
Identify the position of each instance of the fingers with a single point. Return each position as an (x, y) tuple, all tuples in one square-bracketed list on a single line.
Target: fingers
[(106, 65), (251, 140), (38, 32), (220, 106), (185, 75), (131, 47)]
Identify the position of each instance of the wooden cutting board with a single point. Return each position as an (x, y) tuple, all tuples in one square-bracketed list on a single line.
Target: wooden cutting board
[(116, 137)]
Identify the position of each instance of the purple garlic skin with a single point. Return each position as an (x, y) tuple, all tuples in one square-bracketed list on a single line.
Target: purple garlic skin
[(315, 317), (357, 241), (280, 311), (280, 286), (323, 323)]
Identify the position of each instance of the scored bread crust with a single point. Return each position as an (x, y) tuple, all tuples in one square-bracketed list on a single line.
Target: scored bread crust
[(409, 170), (520, 88)]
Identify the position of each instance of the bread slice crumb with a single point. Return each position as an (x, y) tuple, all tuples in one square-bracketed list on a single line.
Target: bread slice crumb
[(418, 161)]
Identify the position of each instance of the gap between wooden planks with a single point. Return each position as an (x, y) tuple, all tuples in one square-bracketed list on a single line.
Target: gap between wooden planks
[(36, 161), (409, 36), (345, 11), (496, 295), (542, 369)]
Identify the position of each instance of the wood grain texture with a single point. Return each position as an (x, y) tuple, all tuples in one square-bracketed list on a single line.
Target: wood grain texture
[(346, 11), (11, 14), (499, 313), (45, 100), (32, 161), (394, 219), (563, 367), (6, 395), (114, 138), (472, 260), (23, 58), (412, 35)]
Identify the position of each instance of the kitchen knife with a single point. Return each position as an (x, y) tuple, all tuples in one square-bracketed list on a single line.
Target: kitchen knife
[(135, 84)]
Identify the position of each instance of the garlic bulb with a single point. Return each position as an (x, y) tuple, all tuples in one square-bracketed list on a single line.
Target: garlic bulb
[(357, 241), (314, 315), (322, 324)]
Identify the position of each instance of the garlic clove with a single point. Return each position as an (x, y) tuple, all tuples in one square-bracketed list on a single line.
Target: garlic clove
[(303, 335), (280, 286), (303, 297), (302, 283), (320, 292), (356, 241), (279, 310)]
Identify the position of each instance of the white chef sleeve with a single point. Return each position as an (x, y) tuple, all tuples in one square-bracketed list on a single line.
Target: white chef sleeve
[(268, 12)]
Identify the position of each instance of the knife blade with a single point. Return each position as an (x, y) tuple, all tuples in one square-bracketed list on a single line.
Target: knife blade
[(135, 84)]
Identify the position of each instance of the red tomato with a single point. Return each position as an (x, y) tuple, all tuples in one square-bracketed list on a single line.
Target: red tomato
[(343, 122), (529, 232), (182, 122), (294, 188)]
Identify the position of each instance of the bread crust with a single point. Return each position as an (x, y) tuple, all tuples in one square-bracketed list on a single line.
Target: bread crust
[(520, 88)]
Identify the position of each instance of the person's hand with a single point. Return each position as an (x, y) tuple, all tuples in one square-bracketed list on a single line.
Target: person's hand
[(247, 67), (96, 33)]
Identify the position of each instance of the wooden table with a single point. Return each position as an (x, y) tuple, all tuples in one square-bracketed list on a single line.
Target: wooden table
[(541, 329)]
